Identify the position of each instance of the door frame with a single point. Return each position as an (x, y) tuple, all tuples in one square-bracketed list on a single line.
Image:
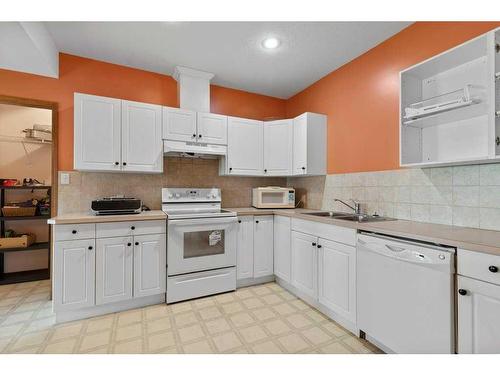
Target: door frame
[(52, 106)]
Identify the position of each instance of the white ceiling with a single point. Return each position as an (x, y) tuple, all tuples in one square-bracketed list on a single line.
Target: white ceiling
[(230, 50)]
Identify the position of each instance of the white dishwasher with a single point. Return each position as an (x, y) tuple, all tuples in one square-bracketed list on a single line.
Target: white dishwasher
[(405, 298)]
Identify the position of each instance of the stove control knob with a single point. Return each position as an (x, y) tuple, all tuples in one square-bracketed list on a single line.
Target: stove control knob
[(170, 195), (177, 195)]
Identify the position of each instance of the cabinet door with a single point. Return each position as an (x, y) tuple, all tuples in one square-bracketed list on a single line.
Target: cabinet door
[(179, 124), (300, 145), (337, 278), (305, 263), (478, 317), (244, 147), (74, 274), (150, 267), (244, 248), (142, 149), (114, 269), (282, 247), (278, 143), (263, 246), (97, 133), (212, 128)]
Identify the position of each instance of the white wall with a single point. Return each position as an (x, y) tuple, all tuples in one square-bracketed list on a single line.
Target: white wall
[(18, 160)]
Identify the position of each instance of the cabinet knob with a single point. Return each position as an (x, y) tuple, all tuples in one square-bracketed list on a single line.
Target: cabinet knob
[(230, 169), (257, 221), (493, 269), (137, 244), (194, 135), (129, 244), (319, 246), (91, 247), (314, 243), (124, 163), (303, 168), (132, 227), (239, 221), (462, 292), (265, 170), (117, 163), (73, 231), (199, 135)]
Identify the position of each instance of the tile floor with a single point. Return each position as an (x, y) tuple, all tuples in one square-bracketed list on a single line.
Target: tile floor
[(258, 319)]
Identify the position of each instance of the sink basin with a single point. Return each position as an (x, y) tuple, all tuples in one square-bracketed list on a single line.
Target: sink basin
[(328, 214), (350, 217)]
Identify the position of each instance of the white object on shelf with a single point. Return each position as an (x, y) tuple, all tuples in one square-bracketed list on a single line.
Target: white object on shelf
[(441, 103)]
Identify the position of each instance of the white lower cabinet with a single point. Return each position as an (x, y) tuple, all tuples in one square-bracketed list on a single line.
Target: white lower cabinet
[(254, 251), (263, 246), (305, 263), (74, 270), (282, 247), (114, 261), (337, 278), (244, 248), (108, 272), (149, 265), (478, 316)]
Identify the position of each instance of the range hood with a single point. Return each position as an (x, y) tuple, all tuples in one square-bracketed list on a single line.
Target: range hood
[(193, 90)]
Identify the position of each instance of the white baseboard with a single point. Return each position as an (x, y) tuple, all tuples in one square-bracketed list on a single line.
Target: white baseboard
[(347, 324), (68, 315), (251, 281)]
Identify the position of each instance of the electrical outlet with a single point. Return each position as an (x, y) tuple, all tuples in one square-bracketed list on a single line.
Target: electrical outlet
[(64, 178)]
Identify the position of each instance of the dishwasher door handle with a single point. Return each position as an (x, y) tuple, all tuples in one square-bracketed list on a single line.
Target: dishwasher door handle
[(395, 249)]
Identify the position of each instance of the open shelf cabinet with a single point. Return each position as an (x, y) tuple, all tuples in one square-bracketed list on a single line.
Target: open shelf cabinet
[(448, 105)]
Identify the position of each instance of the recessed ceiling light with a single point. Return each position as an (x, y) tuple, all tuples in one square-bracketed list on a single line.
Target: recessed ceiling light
[(271, 43)]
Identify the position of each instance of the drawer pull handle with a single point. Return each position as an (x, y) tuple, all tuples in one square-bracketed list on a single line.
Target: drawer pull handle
[(137, 244), (462, 292), (90, 247), (493, 269), (73, 231), (133, 228)]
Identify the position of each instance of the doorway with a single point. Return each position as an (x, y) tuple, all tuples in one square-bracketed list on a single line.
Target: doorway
[(28, 187)]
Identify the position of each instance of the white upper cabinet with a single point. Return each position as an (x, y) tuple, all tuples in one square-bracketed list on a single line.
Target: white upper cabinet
[(116, 135), (97, 133), (141, 137), (309, 144), (278, 143), (179, 124), (212, 128), (448, 106), (263, 246), (245, 147)]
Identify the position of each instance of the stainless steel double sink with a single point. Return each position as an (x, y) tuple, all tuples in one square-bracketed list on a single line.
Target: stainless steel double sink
[(349, 217)]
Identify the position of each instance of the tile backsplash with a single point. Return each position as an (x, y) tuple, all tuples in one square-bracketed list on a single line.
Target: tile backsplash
[(466, 196), (178, 172)]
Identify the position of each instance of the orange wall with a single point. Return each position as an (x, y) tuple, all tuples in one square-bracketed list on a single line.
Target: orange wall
[(77, 74), (361, 98)]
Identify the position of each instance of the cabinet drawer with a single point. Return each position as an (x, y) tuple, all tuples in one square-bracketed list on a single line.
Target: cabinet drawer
[(480, 266), (65, 232), (327, 231), (130, 228)]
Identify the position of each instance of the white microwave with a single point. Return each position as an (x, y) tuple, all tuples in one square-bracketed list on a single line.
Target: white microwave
[(273, 197)]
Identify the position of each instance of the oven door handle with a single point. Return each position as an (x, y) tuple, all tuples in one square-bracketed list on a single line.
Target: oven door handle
[(203, 221)]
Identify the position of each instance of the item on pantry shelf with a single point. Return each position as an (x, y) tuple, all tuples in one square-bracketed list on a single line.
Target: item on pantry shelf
[(8, 182), (17, 241), (31, 182), (18, 211)]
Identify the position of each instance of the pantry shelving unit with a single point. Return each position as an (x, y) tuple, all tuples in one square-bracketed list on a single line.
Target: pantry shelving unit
[(449, 104), (23, 276)]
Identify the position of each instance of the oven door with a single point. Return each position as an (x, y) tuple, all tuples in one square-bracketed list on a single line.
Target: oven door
[(201, 244)]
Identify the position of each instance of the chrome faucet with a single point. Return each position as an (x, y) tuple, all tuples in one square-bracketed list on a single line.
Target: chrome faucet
[(356, 208)]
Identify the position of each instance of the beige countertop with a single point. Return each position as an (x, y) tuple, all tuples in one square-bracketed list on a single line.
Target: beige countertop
[(88, 217), (481, 240)]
